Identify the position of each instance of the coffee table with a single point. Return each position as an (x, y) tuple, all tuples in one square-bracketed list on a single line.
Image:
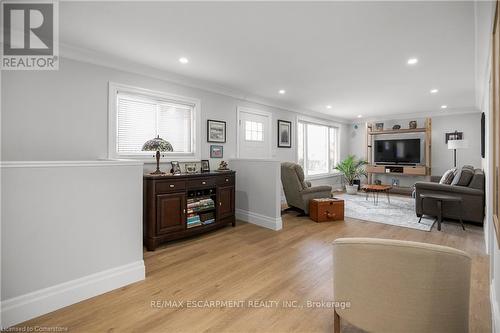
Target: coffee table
[(376, 189), (440, 199)]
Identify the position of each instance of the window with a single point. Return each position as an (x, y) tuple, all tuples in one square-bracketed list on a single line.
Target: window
[(254, 131), (317, 146), (137, 115)]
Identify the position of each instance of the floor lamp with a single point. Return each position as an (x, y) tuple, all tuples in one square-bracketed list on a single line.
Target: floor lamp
[(457, 144)]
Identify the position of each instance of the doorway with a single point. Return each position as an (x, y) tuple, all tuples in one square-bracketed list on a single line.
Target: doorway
[(254, 133)]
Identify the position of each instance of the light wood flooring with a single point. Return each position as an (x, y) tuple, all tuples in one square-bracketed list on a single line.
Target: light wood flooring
[(253, 263)]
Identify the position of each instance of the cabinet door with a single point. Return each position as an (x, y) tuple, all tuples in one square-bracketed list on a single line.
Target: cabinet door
[(170, 212), (225, 198)]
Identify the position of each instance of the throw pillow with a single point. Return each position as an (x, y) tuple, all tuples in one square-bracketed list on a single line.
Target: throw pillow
[(448, 176), (463, 177)]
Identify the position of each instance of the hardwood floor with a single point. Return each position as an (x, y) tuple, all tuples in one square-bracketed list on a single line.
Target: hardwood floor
[(250, 263)]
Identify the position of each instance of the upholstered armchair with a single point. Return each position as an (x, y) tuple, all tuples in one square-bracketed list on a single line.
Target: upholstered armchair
[(400, 286), (298, 192)]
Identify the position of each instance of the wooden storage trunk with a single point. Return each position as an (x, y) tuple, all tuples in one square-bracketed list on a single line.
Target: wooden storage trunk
[(329, 209)]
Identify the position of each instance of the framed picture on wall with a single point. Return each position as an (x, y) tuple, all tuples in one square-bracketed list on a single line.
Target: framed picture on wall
[(216, 151), (453, 136), (216, 131), (284, 134)]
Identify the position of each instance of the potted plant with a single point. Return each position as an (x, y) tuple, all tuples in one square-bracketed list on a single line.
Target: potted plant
[(352, 169)]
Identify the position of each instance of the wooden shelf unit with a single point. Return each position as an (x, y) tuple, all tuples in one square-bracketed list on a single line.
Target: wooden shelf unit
[(399, 170), (399, 131), (166, 210)]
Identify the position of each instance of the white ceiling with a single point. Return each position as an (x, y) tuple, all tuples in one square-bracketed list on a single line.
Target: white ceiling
[(350, 55)]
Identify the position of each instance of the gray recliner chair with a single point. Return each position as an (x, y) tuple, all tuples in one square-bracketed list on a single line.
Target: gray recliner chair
[(298, 192)]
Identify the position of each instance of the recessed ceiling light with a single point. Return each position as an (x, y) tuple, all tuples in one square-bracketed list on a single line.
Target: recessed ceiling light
[(434, 91), (412, 61), (360, 116), (282, 91), (444, 106), (183, 60), (328, 106)]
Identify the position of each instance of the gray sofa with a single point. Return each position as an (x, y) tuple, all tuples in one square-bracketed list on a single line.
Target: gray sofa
[(298, 192), (472, 195)]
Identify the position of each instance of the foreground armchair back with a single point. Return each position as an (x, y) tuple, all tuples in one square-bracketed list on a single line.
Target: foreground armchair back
[(298, 192), (401, 286)]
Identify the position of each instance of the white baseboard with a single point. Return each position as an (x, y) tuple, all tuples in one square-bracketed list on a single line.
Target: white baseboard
[(495, 309), (34, 304), (259, 219)]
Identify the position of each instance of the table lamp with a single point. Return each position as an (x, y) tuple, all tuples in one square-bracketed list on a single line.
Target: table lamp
[(457, 144), (157, 144)]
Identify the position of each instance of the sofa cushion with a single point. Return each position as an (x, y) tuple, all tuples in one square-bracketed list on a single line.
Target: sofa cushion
[(463, 177), (448, 176), (477, 181)]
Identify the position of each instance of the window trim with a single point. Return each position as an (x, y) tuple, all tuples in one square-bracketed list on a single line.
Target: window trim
[(308, 120), (115, 88)]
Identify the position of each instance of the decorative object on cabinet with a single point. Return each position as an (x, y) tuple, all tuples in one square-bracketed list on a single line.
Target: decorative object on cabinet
[(186, 205), (176, 168), (284, 134), (379, 126), (412, 124), (216, 151), (159, 145), (190, 167), (223, 166), (205, 166), (453, 136), (216, 131), (396, 127)]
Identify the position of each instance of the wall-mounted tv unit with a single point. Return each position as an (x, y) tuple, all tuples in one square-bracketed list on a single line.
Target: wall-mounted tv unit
[(397, 151)]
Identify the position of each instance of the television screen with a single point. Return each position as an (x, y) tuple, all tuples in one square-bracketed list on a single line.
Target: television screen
[(400, 151)]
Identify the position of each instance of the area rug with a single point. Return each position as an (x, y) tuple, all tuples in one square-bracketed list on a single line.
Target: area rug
[(400, 212)]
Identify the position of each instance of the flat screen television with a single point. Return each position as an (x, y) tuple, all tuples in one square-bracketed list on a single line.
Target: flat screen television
[(399, 151)]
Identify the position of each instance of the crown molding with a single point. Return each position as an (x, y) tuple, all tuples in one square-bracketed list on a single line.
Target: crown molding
[(423, 114), (71, 52)]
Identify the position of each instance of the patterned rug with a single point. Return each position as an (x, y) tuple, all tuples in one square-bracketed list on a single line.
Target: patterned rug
[(400, 212)]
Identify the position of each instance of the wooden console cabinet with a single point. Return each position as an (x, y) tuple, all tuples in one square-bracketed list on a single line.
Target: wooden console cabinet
[(169, 200)]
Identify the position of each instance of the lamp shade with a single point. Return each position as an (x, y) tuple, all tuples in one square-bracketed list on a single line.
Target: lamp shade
[(157, 144), (457, 144)]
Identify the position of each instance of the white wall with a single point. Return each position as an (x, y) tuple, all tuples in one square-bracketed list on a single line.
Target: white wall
[(484, 26), (65, 114), (258, 192), (70, 231), (442, 158)]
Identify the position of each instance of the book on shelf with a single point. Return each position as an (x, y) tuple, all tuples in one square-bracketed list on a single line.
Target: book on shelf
[(200, 205)]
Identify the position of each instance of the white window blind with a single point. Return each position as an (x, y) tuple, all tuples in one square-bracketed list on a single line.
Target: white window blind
[(142, 118)]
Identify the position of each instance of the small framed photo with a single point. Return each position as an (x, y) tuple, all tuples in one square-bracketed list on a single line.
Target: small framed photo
[(205, 166), (176, 168), (379, 126), (216, 151), (284, 134), (190, 167), (216, 131)]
